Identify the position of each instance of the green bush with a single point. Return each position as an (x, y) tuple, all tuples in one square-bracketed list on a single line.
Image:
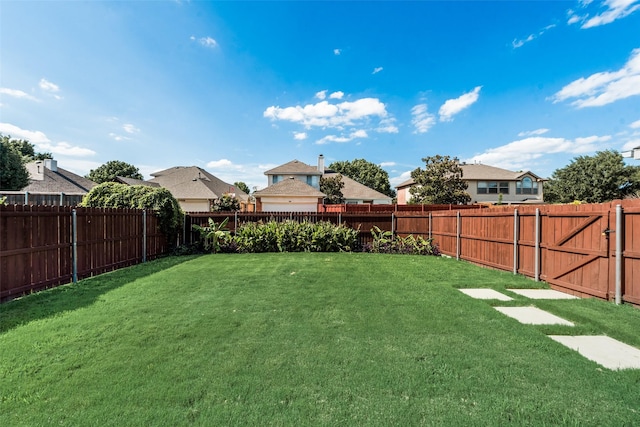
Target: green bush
[(160, 200), (384, 242), (292, 236)]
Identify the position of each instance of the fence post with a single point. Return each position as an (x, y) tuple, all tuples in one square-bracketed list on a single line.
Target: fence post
[(61, 198), (619, 237), (74, 240), (339, 218), (515, 241), (393, 228), (458, 227), (26, 198), (429, 224), (235, 223), (144, 236), (537, 247)]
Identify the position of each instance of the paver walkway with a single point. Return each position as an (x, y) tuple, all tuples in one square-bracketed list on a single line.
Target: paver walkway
[(606, 351)]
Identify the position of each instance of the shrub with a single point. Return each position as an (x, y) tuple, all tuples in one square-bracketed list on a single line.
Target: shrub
[(384, 242)]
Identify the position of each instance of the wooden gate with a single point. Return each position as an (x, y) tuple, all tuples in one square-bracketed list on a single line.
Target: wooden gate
[(575, 251)]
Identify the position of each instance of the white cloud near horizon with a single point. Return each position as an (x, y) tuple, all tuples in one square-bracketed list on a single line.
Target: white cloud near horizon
[(635, 125), (520, 153), (33, 136), (361, 133), (65, 149), (16, 93), (613, 10), (422, 120), (387, 164), (451, 107), (326, 115), (605, 87)]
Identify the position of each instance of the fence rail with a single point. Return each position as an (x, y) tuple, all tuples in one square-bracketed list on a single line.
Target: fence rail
[(37, 244)]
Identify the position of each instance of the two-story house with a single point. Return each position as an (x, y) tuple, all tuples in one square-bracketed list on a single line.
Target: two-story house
[(295, 187), (489, 184)]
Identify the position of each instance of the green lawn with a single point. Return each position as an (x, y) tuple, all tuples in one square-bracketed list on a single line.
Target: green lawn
[(304, 339)]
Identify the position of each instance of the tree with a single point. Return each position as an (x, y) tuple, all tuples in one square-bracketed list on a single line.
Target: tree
[(440, 182), (593, 179), (160, 200), (332, 187), (366, 173), (113, 168), (242, 186), (226, 203), (25, 149), (13, 174)]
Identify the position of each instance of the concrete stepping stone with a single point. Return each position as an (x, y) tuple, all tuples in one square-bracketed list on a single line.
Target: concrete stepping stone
[(542, 294), (483, 293), (533, 316), (605, 351)]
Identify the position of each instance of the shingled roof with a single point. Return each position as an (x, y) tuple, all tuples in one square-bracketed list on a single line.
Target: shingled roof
[(45, 180), (294, 167), (354, 190), (290, 187), (480, 172), (192, 182)]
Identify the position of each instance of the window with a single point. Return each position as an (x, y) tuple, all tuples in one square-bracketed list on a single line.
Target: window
[(527, 186), (276, 178), (493, 187), (309, 180)]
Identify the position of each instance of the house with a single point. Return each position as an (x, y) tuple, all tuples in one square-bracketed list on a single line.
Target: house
[(133, 181), (196, 189), (51, 185), (487, 183), (295, 187)]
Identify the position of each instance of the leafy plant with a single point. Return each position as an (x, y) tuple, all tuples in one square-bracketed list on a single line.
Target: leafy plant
[(384, 242), (213, 235)]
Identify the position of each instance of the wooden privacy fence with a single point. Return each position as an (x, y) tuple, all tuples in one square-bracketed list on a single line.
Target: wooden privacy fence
[(45, 246), (591, 250), (368, 207)]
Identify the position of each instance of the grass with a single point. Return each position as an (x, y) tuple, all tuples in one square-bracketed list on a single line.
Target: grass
[(304, 339)]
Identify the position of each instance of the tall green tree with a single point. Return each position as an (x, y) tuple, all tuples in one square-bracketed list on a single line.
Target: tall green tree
[(366, 173), (13, 173), (112, 169), (332, 187), (440, 182), (226, 203), (242, 186), (593, 179), (26, 149)]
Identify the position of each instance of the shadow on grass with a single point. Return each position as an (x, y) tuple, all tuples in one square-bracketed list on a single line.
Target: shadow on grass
[(49, 302)]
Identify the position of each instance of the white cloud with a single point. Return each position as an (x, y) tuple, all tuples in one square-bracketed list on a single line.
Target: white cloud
[(631, 144), (300, 136), (397, 180), (222, 164), (129, 128), (519, 154), (452, 107), (387, 125), (377, 70), (605, 87), (15, 93), (321, 95), (360, 133), (387, 164), (422, 119), (337, 51), (33, 136), (48, 86), (615, 9), (205, 41), (65, 149), (635, 125), (324, 114), (117, 137), (336, 95), (540, 131), (519, 43)]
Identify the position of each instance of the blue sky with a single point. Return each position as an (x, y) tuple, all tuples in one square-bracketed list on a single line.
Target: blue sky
[(238, 88)]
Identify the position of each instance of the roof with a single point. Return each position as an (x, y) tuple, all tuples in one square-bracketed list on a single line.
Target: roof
[(354, 190), (60, 181), (133, 181), (478, 172), (290, 187), (192, 182), (294, 167)]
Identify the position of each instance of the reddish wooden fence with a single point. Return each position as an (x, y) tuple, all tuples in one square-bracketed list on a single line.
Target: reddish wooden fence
[(571, 247), (37, 244), (368, 207)]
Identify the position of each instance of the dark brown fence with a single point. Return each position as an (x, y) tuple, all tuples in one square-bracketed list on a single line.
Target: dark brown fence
[(368, 207), (572, 247), (37, 244)]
